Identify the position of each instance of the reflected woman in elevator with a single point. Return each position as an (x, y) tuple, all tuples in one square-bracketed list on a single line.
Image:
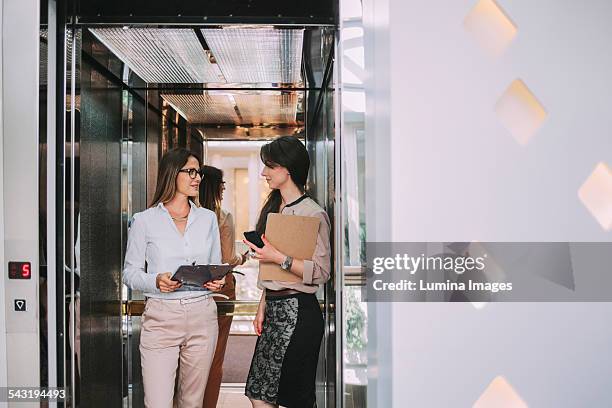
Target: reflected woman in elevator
[(289, 321), (211, 196), (179, 323)]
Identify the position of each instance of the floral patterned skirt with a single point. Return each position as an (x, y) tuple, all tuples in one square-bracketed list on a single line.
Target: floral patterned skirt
[(284, 365)]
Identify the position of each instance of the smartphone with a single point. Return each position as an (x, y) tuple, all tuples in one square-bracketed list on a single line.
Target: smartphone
[(254, 238)]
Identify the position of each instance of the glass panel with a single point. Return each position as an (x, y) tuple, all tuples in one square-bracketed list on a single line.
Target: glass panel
[(101, 100), (134, 157), (42, 244), (355, 351), (141, 151), (245, 192), (354, 311), (72, 239), (240, 163), (320, 143)]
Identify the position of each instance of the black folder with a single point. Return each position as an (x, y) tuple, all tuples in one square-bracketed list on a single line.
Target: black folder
[(198, 275)]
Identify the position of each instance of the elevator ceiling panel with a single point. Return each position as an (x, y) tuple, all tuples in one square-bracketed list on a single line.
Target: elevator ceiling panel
[(238, 108), (251, 55), (161, 55), (267, 109), (204, 108)]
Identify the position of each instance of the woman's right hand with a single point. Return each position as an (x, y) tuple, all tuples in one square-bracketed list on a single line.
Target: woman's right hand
[(244, 257), (259, 318), (165, 284)]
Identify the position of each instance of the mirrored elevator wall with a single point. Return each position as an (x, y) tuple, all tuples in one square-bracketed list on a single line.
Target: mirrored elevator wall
[(123, 130), (319, 48), (101, 247)]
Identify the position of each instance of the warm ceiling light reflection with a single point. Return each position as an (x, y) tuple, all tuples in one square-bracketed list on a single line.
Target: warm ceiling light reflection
[(500, 394), (490, 27), (520, 112), (596, 195)]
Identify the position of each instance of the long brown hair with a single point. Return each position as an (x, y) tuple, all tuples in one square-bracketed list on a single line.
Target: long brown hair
[(171, 162), (211, 188), (288, 152)]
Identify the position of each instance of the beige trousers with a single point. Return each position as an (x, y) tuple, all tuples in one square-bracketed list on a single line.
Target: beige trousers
[(174, 330)]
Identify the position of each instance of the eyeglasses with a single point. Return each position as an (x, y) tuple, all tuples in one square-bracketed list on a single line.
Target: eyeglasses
[(193, 173)]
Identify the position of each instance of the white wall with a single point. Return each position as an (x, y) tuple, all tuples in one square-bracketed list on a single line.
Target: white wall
[(20, 51), (3, 368), (458, 174), (377, 84)]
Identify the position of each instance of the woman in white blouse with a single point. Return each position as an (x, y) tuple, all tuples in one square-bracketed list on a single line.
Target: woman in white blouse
[(179, 323)]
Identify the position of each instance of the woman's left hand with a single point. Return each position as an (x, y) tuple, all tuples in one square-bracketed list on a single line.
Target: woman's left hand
[(215, 285), (266, 254)]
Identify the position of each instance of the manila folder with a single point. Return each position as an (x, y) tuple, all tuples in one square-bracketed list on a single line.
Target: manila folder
[(293, 235)]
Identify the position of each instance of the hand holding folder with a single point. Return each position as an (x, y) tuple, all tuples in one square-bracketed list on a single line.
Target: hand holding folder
[(198, 275), (293, 235)]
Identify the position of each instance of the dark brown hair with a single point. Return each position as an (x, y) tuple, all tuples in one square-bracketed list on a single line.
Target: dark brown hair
[(211, 188), (171, 162), (288, 152)]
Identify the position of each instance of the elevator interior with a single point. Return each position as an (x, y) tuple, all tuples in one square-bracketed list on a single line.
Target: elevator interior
[(132, 90)]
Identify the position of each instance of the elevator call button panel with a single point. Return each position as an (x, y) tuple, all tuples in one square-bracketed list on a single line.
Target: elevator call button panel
[(20, 270), (20, 305)]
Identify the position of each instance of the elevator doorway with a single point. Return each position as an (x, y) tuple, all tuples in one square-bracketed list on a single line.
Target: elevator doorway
[(136, 90)]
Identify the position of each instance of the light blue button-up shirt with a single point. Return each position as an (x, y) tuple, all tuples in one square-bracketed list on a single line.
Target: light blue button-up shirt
[(154, 238)]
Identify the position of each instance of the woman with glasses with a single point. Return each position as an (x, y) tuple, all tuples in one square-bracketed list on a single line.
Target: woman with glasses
[(179, 322), (211, 196)]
